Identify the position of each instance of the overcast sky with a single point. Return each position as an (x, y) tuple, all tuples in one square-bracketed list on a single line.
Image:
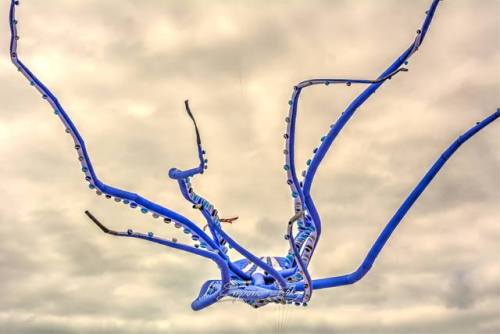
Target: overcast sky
[(122, 69)]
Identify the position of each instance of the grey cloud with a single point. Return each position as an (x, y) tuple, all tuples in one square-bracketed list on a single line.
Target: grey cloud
[(461, 293)]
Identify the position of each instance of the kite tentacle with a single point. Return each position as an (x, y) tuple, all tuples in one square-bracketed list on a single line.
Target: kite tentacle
[(207, 209), (182, 177), (222, 265), (133, 199), (380, 242), (357, 102), (210, 213), (289, 151), (301, 191), (295, 185)]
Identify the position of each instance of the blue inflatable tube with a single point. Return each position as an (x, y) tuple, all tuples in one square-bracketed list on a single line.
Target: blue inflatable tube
[(198, 303), (301, 190), (401, 212), (134, 199)]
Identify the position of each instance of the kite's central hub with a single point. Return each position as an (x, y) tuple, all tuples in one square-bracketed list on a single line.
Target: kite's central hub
[(260, 290), (256, 295)]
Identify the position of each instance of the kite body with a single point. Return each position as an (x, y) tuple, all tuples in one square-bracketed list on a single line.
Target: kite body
[(256, 280)]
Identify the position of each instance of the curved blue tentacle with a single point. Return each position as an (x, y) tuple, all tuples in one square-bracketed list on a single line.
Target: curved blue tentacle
[(347, 114), (301, 192), (295, 185), (197, 304), (210, 213), (207, 209), (90, 176), (401, 212), (182, 176)]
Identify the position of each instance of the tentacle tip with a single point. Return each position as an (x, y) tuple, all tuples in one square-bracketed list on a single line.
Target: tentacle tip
[(97, 222)]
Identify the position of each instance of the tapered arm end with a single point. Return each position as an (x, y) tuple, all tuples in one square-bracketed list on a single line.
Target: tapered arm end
[(99, 224)]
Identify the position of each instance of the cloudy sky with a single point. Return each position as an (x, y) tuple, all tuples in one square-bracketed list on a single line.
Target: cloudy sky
[(122, 69)]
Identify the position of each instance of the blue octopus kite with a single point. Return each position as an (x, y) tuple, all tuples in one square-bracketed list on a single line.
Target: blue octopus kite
[(255, 280)]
